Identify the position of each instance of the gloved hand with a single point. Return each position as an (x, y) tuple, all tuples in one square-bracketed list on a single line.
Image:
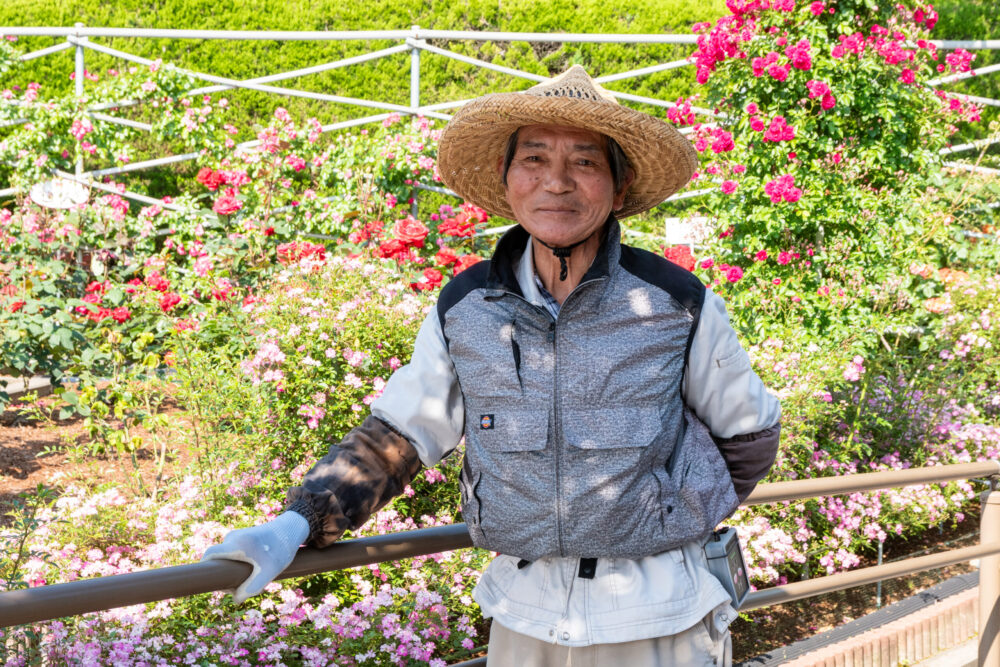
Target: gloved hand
[(269, 548)]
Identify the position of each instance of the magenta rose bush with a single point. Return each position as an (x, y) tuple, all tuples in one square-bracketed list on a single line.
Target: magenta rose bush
[(826, 145)]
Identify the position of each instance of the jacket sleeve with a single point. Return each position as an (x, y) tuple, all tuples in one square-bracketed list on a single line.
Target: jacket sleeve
[(723, 390), (418, 419), (370, 466)]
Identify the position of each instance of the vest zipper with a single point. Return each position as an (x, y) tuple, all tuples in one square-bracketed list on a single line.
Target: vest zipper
[(558, 435), (560, 439)]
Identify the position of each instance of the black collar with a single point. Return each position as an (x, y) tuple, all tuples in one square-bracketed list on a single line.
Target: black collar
[(511, 246)]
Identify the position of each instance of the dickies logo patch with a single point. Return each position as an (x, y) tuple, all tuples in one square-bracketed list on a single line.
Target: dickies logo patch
[(486, 422)]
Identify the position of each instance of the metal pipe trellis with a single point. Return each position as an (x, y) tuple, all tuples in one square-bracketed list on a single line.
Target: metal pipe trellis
[(414, 41)]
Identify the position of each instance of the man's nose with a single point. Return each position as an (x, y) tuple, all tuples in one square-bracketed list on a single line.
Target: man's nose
[(558, 179)]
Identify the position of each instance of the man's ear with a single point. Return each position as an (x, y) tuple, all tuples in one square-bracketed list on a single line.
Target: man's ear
[(619, 200)]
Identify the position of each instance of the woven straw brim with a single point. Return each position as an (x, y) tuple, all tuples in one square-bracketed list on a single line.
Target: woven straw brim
[(475, 139)]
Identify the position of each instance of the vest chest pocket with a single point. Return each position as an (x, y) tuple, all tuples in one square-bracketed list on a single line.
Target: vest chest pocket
[(505, 430), (617, 427), (489, 367)]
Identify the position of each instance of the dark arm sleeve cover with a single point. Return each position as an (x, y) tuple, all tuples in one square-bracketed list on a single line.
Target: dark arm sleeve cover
[(749, 457), (370, 466)]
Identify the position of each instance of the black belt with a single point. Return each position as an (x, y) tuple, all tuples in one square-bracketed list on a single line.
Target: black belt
[(588, 567)]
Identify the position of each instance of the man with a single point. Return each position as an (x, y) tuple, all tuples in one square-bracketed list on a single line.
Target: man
[(582, 374)]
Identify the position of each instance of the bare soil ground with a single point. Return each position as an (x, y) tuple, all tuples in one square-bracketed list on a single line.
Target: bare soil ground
[(32, 453), (37, 452)]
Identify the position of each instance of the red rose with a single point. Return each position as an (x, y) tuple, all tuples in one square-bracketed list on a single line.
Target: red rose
[(99, 314), (460, 226), (315, 250), (465, 261), (269, 231), (287, 252), (223, 288), (445, 257), (681, 256), (227, 204), (121, 314), (16, 306), (390, 249), (210, 179), (411, 231), (97, 287), (433, 278), (157, 282), (169, 300), (296, 250)]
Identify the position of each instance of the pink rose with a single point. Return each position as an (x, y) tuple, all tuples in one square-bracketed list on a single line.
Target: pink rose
[(410, 231), (227, 204)]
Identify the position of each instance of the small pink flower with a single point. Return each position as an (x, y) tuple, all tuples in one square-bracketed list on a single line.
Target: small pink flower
[(728, 187)]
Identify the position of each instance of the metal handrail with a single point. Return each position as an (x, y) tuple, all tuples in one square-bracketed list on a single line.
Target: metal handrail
[(31, 605), (89, 595)]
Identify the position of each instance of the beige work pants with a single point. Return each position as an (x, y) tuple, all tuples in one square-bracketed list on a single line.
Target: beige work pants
[(698, 646)]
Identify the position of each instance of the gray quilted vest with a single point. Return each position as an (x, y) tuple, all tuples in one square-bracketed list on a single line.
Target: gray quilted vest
[(578, 442)]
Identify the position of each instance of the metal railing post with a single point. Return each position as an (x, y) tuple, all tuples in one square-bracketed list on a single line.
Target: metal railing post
[(415, 95), (989, 583), (78, 89)]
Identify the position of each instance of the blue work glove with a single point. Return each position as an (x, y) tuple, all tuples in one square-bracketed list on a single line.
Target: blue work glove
[(269, 548)]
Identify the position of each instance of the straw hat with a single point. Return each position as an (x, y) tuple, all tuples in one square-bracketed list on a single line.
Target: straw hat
[(476, 137)]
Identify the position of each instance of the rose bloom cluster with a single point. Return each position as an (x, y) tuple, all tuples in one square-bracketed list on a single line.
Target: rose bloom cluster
[(407, 243), (228, 202), (94, 294), (296, 251), (681, 256)]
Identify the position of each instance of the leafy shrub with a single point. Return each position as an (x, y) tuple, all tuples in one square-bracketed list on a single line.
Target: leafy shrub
[(820, 209)]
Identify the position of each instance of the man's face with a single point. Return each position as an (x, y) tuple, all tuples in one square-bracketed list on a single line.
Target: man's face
[(559, 184)]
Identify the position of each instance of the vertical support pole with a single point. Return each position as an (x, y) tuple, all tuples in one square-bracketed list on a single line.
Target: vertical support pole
[(415, 70), (989, 583), (878, 587), (78, 89), (414, 96)]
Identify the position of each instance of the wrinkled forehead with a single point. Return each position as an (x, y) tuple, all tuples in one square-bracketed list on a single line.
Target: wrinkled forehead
[(549, 135)]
